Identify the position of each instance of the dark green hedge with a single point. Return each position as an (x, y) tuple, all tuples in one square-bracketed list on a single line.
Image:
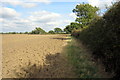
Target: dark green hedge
[(103, 38)]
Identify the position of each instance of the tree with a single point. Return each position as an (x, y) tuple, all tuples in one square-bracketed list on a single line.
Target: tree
[(73, 26), (20, 33), (12, 32), (26, 32), (38, 31), (85, 14), (51, 32), (58, 30)]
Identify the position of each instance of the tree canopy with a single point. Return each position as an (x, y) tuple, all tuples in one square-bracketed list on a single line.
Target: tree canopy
[(58, 30), (51, 32), (85, 13), (38, 30)]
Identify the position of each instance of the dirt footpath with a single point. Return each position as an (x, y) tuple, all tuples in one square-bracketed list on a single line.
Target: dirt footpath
[(34, 56)]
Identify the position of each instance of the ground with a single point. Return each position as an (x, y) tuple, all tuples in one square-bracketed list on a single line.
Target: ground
[(35, 56)]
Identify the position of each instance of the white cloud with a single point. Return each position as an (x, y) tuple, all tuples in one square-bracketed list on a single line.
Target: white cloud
[(44, 16), (43, 1), (10, 19), (44, 19), (72, 15), (1, 19), (101, 3), (16, 25), (94, 2), (28, 5), (8, 13), (49, 20), (68, 1), (25, 3)]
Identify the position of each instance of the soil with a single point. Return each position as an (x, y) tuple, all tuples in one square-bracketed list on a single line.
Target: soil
[(35, 56)]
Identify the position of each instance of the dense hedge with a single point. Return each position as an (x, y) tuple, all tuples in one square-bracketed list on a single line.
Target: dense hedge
[(103, 38)]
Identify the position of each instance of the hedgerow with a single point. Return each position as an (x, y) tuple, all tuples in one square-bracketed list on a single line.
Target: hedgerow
[(103, 38)]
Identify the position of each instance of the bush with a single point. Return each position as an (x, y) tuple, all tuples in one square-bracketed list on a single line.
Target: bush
[(103, 38)]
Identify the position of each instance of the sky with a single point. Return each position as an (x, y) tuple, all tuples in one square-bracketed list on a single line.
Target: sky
[(25, 15)]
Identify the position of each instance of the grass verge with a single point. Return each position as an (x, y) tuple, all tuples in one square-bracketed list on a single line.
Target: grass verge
[(82, 61)]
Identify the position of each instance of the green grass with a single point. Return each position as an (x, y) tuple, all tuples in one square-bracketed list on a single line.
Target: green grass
[(81, 61)]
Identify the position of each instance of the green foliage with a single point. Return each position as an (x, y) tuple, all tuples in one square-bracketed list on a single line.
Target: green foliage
[(12, 33), (85, 13), (26, 32), (103, 38), (73, 26), (51, 32), (38, 31), (58, 30), (21, 33), (1, 33)]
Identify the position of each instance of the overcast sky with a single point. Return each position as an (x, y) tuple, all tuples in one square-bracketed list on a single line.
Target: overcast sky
[(25, 15)]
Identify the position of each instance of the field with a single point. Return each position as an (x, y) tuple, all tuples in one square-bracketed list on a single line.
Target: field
[(34, 56)]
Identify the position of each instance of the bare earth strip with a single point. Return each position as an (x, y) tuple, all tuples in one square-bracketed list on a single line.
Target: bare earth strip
[(34, 56)]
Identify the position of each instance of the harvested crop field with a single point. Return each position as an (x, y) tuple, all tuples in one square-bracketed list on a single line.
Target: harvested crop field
[(34, 56)]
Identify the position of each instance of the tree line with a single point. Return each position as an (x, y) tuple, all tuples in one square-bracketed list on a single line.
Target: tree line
[(39, 30)]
